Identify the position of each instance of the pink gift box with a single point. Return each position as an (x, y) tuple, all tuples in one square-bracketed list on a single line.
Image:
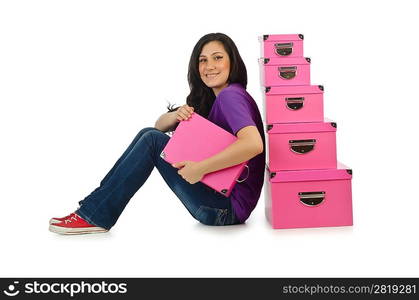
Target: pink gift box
[(286, 104), (297, 146), (281, 45), (285, 71), (309, 198), (197, 139)]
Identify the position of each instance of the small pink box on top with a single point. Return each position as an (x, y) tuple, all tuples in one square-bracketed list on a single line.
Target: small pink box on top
[(281, 45)]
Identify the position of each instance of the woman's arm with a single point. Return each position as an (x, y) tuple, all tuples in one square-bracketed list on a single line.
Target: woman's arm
[(248, 145), (168, 120)]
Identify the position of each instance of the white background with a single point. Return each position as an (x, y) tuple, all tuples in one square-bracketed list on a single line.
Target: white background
[(79, 79)]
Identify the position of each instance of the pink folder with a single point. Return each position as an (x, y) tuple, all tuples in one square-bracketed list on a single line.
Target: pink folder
[(197, 139)]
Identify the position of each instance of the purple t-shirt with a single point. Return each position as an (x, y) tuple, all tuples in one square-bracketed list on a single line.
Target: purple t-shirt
[(232, 110)]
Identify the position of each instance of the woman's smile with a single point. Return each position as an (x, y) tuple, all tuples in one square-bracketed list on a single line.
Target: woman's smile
[(212, 75)]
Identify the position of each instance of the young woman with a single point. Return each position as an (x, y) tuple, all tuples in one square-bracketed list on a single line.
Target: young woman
[(217, 78)]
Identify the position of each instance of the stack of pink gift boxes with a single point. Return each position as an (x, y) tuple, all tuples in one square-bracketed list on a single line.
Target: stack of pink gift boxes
[(305, 185)]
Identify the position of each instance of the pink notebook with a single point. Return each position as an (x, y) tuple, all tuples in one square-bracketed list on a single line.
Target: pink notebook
[(197, 139)]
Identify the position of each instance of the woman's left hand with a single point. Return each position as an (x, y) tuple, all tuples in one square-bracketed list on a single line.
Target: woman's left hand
[(191, 171)]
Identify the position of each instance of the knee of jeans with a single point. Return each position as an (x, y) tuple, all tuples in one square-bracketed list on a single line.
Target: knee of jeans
[(151, 134), (211, 216), (146, 129), (143, 131)]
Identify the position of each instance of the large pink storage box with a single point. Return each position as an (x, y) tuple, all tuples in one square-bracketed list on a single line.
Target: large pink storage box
[(281, 45), (309, 198), (197, 139), (288, 104), (285, 71), (297, 146)]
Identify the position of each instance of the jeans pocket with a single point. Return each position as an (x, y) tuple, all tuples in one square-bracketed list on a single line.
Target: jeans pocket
[(211, 216)]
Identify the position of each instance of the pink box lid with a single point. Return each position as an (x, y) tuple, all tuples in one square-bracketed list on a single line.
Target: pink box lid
[(293, 89), (341, 172), (281, 37), (276, 61), (325, 126)]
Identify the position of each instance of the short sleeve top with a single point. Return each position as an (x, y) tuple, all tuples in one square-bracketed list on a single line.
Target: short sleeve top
[(232, 110)]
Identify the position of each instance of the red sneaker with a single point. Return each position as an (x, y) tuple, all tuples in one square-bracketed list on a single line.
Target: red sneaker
[(58, 220), (74, 224)]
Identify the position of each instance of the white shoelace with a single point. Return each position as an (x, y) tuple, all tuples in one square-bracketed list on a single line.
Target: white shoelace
[(69, 220)]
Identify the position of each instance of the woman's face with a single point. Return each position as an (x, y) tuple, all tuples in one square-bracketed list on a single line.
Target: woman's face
[(214, 66)]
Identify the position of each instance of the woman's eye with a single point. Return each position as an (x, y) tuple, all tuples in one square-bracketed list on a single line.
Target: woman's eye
[(218, 57), (202, 60)]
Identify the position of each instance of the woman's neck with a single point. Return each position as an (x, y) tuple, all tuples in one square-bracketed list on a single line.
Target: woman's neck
[(218, 90)]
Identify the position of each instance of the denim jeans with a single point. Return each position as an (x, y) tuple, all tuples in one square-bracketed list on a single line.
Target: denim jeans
[(104, 205)]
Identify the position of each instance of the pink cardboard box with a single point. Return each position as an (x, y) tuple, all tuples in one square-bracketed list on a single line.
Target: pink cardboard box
[(281, 45), (288, 104), (309, 198), (197, 139), (297, 146), (285, 71)]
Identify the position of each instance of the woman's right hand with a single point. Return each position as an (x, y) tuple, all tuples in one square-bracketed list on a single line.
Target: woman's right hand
[(184, 112)]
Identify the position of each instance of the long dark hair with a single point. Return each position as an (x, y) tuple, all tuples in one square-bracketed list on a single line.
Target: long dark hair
[(202, 97)]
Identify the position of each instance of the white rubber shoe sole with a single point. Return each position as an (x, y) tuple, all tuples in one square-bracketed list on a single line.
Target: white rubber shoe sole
[(63, 230)]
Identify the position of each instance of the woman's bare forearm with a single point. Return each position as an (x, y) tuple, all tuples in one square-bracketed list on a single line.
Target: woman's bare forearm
[(166, 121)]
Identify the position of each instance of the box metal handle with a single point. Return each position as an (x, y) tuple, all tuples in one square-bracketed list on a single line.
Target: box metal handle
[(294, 103), (311, 198), (302, 146), (283, 49), (287, 72)]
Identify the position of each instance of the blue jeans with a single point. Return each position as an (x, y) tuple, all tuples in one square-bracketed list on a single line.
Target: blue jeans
[(105, 204)]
